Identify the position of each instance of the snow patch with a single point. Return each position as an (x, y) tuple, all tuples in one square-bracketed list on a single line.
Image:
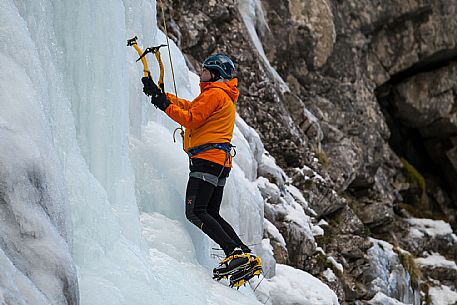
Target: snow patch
[(436, 260), (336, 264), (381, 299), (268, 167), (322, 222), (329, 275), (294, 287), (442, 295), (429, 227), (318, 231), (274, 232)]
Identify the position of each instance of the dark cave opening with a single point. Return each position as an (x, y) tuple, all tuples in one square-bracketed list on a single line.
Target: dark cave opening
[(427, 156), (426, 149)]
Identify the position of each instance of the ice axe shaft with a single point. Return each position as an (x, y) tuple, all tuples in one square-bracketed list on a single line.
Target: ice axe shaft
[(156, 51)]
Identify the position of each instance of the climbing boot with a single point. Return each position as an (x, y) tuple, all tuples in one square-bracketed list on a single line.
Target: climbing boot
[(243, 275), (235, 261)]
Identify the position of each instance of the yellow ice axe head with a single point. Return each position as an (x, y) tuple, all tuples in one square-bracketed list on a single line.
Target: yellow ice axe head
[(133, 43)]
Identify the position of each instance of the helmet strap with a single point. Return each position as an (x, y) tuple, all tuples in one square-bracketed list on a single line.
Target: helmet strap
[(214, 76)]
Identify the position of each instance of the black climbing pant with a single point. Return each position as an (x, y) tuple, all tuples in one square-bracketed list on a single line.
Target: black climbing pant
[(203, 202)]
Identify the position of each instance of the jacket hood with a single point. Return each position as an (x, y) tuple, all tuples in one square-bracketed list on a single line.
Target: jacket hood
[(230, 87)]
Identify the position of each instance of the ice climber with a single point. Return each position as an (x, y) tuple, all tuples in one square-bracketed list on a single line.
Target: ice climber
[(209, 121)]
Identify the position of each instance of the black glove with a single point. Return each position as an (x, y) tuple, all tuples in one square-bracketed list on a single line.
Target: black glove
[(158, 98), (149, 87), (160, 101)]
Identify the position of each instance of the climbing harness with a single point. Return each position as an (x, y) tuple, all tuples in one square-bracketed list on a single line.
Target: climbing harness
[(226, 147)]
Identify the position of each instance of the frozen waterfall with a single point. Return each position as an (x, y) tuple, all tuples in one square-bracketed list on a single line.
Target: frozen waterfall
[(91, 182)]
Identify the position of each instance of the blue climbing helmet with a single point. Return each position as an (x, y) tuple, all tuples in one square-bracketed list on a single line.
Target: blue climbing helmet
[(222, 64)]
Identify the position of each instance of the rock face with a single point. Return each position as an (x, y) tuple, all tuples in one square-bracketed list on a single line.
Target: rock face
[(356, 100)]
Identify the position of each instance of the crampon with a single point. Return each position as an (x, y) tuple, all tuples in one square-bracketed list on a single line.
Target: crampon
[(238, 269)]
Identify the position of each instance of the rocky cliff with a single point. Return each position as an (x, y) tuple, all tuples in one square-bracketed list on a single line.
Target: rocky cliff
[(356, 100)]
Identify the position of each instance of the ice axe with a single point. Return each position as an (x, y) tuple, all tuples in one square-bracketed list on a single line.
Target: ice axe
[(156, 51)]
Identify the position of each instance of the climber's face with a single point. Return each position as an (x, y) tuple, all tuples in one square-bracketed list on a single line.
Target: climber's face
[(205, 75)]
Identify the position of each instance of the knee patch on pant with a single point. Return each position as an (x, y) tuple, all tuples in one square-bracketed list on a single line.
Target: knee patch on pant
[(190, 214)]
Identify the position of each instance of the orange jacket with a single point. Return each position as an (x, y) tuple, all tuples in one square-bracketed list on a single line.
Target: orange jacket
[(209, 118)]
